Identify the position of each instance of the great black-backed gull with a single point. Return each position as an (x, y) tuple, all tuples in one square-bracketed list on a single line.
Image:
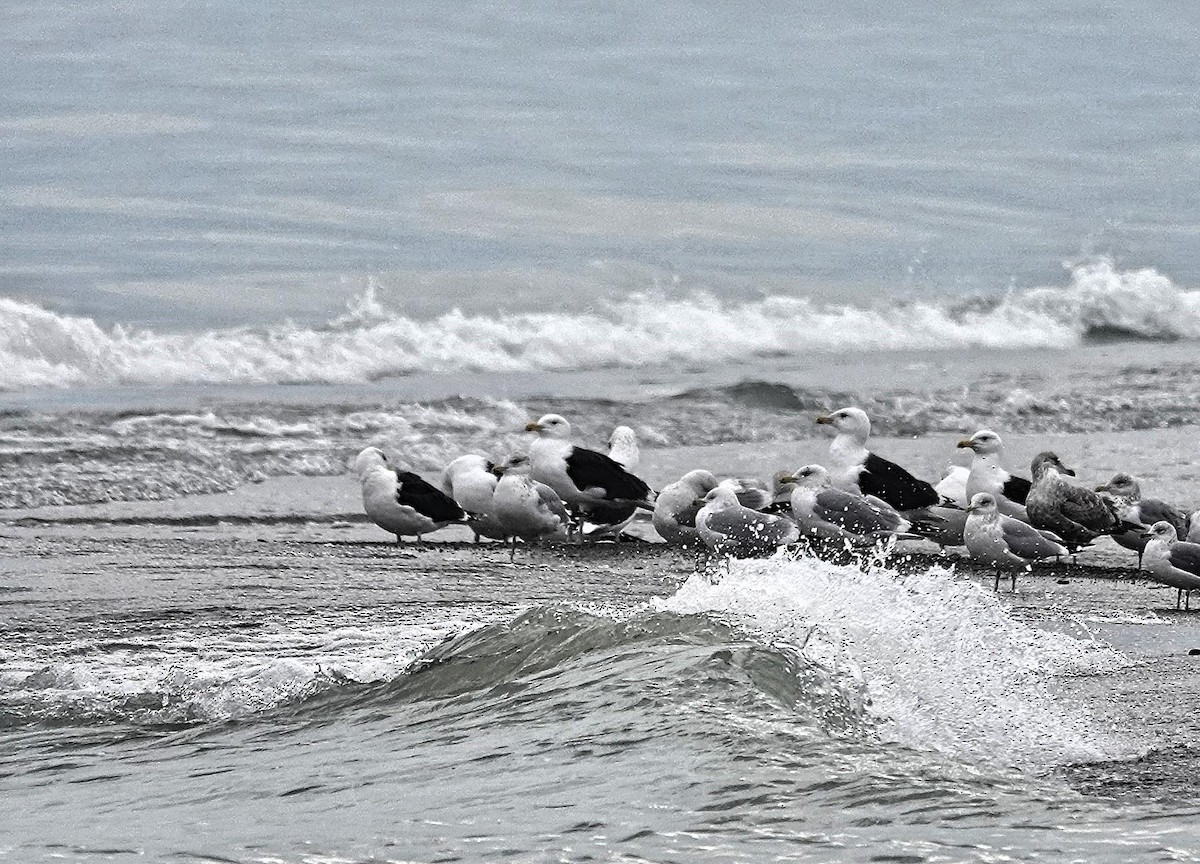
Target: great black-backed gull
[(469, 480), (400, 501), (728, 528), (1173, 561), (583, 478), (988, 475), (858, 469), (1075, 514), (526, 508), (1126, 494), (1004, 542)]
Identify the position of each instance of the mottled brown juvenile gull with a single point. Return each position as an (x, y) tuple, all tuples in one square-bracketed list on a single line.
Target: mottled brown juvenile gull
[(400, 501), (1126, 494), (988, 475), (1003, 542), (1075, 514), (1172, 561), (728, 528)]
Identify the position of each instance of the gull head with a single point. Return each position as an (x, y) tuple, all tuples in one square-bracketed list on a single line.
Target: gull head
[(723, 495), (810, 476), (368, 460), (983, 502), (516, 464), (984, 442), (1047, 461), (550, 426), (1122, 485), (850, 421), (1161, 530)]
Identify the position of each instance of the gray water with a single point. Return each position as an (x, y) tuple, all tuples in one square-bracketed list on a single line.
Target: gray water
[(182, 165), (238, 242)]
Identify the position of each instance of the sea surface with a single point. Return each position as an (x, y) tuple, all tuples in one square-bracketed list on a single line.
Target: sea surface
[(239, 242)]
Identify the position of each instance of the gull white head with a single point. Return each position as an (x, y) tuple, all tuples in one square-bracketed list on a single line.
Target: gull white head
[(985, 442), (370, 459), (699, 481), (848, 421), (983, 503), (810, 477), (722, 495), (1162, 531), (623, 447), (550, 426)]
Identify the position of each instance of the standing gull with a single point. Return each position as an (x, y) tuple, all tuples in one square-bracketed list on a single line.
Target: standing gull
[(858, 469), (400, 501), (826, 513), (469, 480), (582, 478), (1173, 561), (1126, 494), (526, 508), (728, 528), (988, 475), (1003, 542), (1075, 514), (612, 520)]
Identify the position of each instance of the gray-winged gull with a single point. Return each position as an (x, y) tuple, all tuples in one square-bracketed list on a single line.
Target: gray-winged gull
[(526, 508), (400, 501), (728, 528), (825, 513), (1173, 561), (1002, 541)]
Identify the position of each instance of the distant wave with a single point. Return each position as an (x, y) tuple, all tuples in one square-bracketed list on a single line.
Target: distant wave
[(40, 348)]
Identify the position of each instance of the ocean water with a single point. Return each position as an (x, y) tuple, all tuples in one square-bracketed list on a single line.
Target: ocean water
[(239, 242)]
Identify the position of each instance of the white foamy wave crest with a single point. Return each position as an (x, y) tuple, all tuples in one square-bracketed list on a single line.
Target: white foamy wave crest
[(39, 348), (944, 665)]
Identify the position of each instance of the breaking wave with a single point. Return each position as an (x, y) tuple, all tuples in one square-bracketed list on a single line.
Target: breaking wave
[(40, 348)]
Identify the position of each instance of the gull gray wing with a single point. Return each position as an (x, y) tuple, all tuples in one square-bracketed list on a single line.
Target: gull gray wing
[(1151, 510), (751, 528), (1028, 542), (550, 500), (853, 513), (1185, 556)]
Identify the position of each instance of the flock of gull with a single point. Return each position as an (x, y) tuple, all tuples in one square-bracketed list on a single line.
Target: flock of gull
[(861, 502)]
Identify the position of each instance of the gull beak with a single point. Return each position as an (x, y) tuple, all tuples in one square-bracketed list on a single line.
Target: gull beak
[(699, 502), (969, 509), (966, 442), (1103, 487), (532, 427), (824, 420), (1149, 532), (498, 470), (787, 478), (1067, 470)]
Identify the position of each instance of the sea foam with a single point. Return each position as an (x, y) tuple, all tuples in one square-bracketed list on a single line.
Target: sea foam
[(41, 348), (945, 666)]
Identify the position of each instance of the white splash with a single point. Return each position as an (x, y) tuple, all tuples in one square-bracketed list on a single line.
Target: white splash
[(944, 665)]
